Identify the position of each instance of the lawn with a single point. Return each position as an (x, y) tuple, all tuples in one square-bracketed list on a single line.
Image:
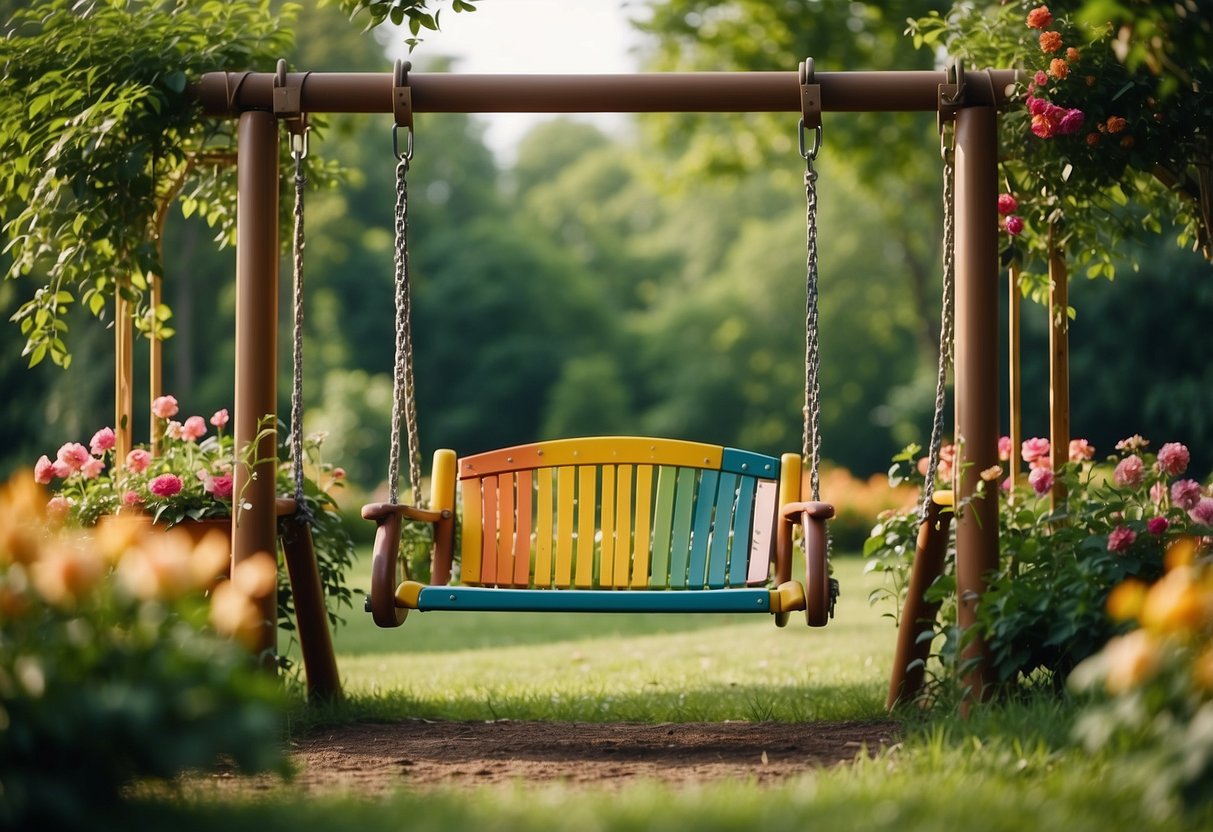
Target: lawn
[(1009, 767)]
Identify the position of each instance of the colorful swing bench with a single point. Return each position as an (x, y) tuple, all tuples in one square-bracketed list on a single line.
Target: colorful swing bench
[(611, 524)]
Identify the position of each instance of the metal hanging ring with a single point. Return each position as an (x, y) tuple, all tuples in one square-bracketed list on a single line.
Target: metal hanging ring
[(809, 154), (299, 145), (408, 146)]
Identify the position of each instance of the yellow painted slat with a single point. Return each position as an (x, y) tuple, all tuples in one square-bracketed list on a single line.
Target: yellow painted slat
[(606, 552), (566, 489), (505, 530), (587, 510), (599, 450), (469, 556), (543, 528), (522, 531), (644, 526), (623, 527)]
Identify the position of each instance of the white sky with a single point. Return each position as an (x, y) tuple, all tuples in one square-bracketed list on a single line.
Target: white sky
[(536, 36)]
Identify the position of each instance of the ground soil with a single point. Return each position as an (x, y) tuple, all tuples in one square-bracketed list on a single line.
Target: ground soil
[(375, 758)]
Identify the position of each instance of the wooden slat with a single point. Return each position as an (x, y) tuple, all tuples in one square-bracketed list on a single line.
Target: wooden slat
[(606, 511), (680, 543), (718, 555), (469, 555), (623, 527), (663, 519), (566, 489), (522, 532), (643, 540), (701, 529), (543, 529), (750, 464), (488, 558), (762, 539), (593, 600), (743, 522), (587, 510), (505, 529), (601, 450)]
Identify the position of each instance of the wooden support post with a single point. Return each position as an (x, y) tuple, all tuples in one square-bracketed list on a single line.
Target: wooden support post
[(1015, 426), (976, 376), (1059, 366), (124, 376), (311, 617), (155, 361), (254, 522)]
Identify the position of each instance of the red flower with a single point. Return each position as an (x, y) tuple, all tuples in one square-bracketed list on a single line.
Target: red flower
[(165, 485), (1040, 17)]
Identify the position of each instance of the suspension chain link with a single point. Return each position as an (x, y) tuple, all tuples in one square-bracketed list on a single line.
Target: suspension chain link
[(299, 153), (811, 443), (404, 404)]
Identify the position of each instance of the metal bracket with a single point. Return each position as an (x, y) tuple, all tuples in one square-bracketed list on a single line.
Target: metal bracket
[(402, 95), (951, 95), (288, 105), (810, 96)]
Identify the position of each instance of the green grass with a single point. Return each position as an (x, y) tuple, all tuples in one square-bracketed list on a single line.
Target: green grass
[(1010, 767)]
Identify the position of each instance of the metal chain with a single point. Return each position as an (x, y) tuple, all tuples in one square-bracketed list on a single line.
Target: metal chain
[(946, 328), (811, 444), (404, 403), (297, 337)]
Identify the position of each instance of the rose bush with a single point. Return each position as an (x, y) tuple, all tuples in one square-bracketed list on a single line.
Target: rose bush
[(1043, 611), (112, 664), (191, 478)]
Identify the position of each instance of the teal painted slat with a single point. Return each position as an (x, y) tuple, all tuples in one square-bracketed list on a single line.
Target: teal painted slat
[(663, 518), (487, 599), (749, 464), (739, 560), (680, 543), (718, 555), (701, 531)]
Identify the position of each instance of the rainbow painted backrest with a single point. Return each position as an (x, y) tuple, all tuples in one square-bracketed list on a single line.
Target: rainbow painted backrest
[(618, 513)]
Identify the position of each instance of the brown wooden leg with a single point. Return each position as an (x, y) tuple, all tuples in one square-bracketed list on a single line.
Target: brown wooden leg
[(311, 616)]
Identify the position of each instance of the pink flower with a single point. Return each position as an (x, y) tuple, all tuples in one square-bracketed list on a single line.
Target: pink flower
[(1185, 494), (1133, 444), (1007, 204), (132, 498), (57, 508), (1040, 17), (138, 460), (1071, 122), (220, 419), (338, 473), (102, 441), (193, 429), (93, 468), (1043, 127), (1034, 448), (164, 407), (73, 455), (221, 486), (61, 469), (1121, 539), (165, 485), (1173, 459), (1014, 225), (1041, 480), (1158, 492), (173, 429), (1129, 471), (1004, 448), (1040, 78), (1038, 106), (1203, 512), (44, 471), (1157, 525), (1081, 449)]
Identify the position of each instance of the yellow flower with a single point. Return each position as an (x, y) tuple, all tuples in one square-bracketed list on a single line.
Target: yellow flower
[(67, 572), (1131, 659), (1181, 552), (1176, 604), (233, 614), (1126, 600)]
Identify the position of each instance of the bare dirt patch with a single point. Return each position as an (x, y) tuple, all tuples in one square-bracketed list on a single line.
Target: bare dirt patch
[(376, 758)]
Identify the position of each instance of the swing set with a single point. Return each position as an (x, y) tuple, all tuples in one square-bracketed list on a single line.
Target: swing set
[(619, 523)]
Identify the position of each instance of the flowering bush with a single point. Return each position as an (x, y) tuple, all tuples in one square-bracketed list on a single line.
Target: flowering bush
[(1044, 608), (1152, 687), (111, 668), (191, 478)]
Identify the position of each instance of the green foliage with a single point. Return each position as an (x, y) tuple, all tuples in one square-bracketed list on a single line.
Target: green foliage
[(101, 133), (420, 14), (109, 673), (1043, 611)]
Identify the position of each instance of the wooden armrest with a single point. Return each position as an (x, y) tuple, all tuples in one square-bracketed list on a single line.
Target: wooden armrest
[(381, 511), (816, 511)]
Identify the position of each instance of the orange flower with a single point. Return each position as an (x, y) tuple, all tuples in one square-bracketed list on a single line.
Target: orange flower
[(1126, 600), (1127, 142), (1131, 660), (1040, 17), (1092, 139), (1072, 54), (1059, 69), (1176, 604), (1202, 670), (1050, 41), (1116, 124)]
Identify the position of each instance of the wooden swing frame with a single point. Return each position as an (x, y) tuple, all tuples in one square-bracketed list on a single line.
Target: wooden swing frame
[(252, 98)]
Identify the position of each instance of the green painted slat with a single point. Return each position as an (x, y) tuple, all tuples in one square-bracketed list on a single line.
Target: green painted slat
[(739, 560), (663, 517), (680, 541), (718, 555), (485, 599), (705, 509)]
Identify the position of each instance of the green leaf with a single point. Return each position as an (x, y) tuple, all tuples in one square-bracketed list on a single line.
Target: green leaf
[(176, 81)]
